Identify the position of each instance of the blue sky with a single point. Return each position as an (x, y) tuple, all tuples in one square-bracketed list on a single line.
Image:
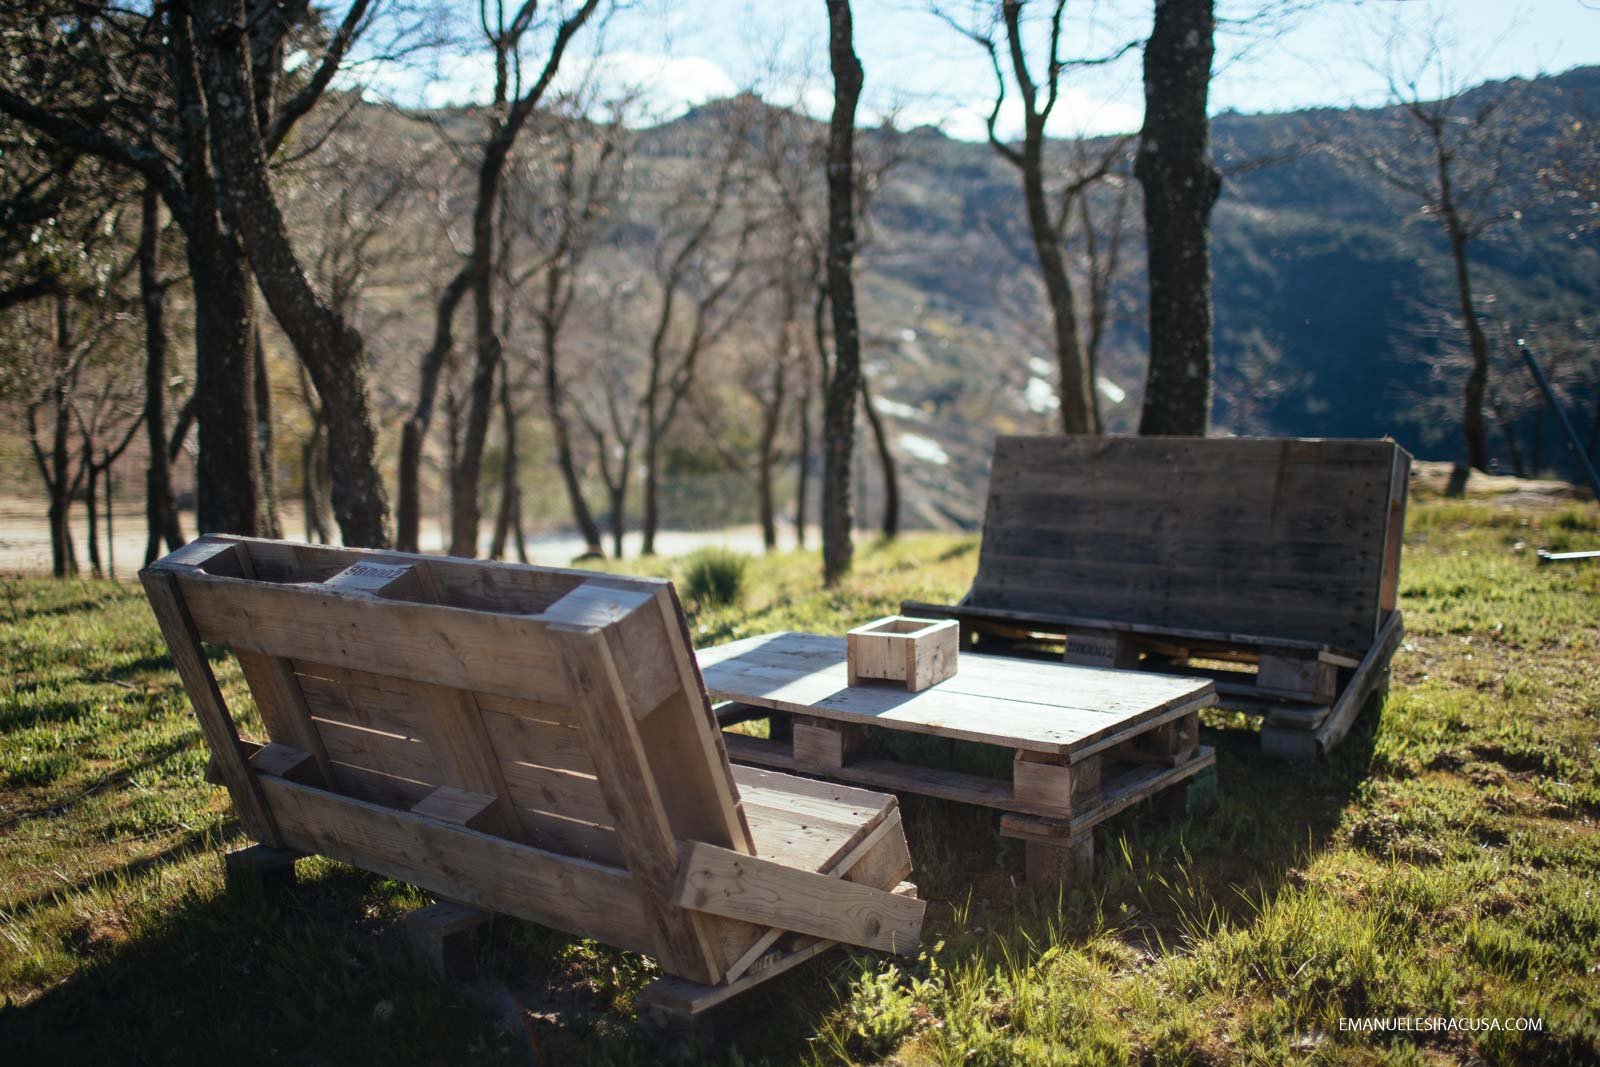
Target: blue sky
[(678, 53)]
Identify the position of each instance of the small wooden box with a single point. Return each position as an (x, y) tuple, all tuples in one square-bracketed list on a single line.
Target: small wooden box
[(916, 652)]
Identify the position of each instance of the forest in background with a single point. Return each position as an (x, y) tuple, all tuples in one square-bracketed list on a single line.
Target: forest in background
[(679, 264)]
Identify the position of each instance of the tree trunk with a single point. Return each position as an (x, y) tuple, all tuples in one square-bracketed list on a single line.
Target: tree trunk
[(161, 517), (891, 479), (264, 440), (91, 503), (415, 431), (651, 507), (510, 478), (802, 465), (1508, 427), (838, 418), (556, 408), (228, 472), (1075, 391), (330, 348), (1180, 186), (1472, 393)]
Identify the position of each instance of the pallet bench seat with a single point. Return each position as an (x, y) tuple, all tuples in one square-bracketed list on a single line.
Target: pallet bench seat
[(528, 741), (1084, 743), (1270, 566)]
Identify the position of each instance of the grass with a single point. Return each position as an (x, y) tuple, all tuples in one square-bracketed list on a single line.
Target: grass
[(1446, 862)]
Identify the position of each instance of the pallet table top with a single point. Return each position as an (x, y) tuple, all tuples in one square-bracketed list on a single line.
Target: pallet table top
[(1033, 705)]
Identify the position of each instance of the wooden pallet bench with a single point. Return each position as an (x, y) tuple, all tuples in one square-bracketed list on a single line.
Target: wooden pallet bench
[(527, 741), (1085, 743), (1270, 566)]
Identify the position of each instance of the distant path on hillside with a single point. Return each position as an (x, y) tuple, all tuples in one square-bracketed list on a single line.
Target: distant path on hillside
[(25, 538)]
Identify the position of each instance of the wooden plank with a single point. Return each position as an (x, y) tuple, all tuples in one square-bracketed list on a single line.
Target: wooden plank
[(548, 744), (1361, 684), (183, 641), (878, 857), (292, 764), (464, 753), (1302, 677), (683, 941), (500, 654), (683, 999), (1057, 621), (719, 881), (283, 706), (492, 873), (363, 783), (566, 793), (891, 775), (1050, 783)]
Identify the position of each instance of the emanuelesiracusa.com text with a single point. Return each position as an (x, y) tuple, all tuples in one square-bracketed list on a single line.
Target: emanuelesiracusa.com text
[(1439, 1023)]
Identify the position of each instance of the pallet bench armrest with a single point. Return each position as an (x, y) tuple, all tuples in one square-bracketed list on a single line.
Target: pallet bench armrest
[(731, 885)]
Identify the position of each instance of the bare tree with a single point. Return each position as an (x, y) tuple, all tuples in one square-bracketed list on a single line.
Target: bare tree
[(562, 218), (1456, 155), (1047, 225), (161, 514), (1180, 185), (122, 84), (838, 417)]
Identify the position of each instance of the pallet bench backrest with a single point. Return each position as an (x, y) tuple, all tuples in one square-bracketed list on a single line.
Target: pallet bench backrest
[(558, 715), (1275, 538)]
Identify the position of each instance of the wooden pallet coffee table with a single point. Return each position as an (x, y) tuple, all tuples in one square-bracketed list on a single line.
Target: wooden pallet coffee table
[(1088, 742)]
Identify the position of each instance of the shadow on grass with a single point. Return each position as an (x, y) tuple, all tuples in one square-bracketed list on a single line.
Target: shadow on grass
[(321, 974)]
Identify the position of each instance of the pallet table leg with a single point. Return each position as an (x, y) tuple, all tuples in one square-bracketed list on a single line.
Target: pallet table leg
[(825, 745), (1064, 863), (259, 870), (1297, 745), (446, 935)]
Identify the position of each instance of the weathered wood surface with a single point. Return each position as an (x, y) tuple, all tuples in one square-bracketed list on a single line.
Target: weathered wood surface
[(1288, 539), (532, 742), (1117, 795), (1041, 707)]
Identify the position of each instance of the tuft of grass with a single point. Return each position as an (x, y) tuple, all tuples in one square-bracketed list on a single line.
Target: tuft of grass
[(714, 577), (1445, 862)]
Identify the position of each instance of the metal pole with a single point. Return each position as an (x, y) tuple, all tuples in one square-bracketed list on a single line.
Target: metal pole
[(1561, 415)]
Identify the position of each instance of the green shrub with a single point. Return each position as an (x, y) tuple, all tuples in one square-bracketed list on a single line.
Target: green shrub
[(714, 577)]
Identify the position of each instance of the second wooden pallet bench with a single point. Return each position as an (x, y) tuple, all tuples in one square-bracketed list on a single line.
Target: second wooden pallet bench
[(1085, 743), (1269, 565), (531, 742)]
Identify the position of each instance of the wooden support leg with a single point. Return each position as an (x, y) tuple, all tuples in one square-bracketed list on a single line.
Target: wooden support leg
[(826, 745), (1045, 781), (446, 936), (259, 870), (1298, 745), (1063, 863)]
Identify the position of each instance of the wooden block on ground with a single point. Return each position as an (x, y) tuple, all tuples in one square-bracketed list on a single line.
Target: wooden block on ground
[(259, 869), (1048, 782), (826, 745), (446, 935), (1064, 863), (1297, 745), (918, 652), (1097, 648)]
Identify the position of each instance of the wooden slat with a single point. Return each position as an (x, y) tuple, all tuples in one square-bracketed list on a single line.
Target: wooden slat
[(886, 774), (683, 941), (440, 645), (282, 706), (548, 744), (718, 881), (1361, 684), (565, 793), (492, 873), (183, 640)]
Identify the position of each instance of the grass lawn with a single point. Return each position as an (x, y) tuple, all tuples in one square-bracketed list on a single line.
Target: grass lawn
[(1446, 863)]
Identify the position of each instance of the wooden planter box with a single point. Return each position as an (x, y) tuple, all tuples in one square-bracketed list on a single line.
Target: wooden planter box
[(915, 652)]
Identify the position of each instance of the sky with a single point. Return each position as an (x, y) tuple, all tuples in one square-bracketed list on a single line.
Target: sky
[(919, 69)]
